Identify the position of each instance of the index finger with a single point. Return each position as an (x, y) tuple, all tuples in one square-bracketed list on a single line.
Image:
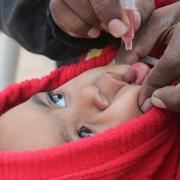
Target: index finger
[(107, 10), (111, 14), (166, 71)]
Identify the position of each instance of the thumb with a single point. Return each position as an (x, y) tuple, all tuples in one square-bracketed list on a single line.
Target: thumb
[(164, 73), (140, 48), (117, 28), (145, 39), (167, 98)]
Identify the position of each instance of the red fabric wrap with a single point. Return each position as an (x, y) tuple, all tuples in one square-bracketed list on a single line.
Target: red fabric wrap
[(161, 3), (18, 93), (141, 149)]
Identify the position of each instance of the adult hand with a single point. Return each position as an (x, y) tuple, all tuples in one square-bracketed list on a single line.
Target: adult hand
[(156, 88), (87, 18)]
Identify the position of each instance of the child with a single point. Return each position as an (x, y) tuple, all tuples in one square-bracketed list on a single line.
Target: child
[(147, 147), (96, 100)]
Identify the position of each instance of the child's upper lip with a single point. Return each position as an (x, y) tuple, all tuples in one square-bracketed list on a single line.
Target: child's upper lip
[(118, 78), (135, 74)]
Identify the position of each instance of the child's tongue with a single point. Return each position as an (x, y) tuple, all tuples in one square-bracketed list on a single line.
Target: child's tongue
[(136, 73)]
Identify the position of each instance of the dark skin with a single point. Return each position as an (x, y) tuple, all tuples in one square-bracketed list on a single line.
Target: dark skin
[(87, 18), (157, 89)]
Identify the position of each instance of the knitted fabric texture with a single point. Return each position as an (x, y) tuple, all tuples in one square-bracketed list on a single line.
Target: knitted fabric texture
[(161, 3), (144, 148)]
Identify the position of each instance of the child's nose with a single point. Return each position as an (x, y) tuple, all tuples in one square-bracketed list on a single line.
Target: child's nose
[(109, 84), (91, 97)]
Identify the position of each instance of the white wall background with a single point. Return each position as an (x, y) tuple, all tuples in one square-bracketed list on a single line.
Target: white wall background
[(28, 66)]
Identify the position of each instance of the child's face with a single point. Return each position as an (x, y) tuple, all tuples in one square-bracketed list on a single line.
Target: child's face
[(91, 103)]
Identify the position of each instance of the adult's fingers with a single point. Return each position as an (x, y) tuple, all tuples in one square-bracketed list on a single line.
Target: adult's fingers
[(85, 11), (111, 14), (68, 20), (165, 72), (148, 35), (84, 19), (167, 98), (145, 8)]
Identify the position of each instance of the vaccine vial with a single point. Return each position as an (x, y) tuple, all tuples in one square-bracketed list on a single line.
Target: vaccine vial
[(129, 7)]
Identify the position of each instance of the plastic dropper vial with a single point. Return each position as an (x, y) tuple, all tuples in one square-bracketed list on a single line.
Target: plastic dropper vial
[(129, 7)]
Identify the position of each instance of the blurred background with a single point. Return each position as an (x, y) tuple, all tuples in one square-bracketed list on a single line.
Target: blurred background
[(17, 64)]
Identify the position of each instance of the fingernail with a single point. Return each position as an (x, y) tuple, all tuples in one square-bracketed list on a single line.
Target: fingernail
[(137, 18), (158, 103), (117, 28), (146, 105), (93, 32), (72, 34)]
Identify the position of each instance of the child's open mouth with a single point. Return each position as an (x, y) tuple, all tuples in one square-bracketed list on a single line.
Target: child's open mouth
[(136, 73)]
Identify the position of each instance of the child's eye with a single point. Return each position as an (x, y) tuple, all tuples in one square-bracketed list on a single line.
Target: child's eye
[(57, 99), (84, 132)]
